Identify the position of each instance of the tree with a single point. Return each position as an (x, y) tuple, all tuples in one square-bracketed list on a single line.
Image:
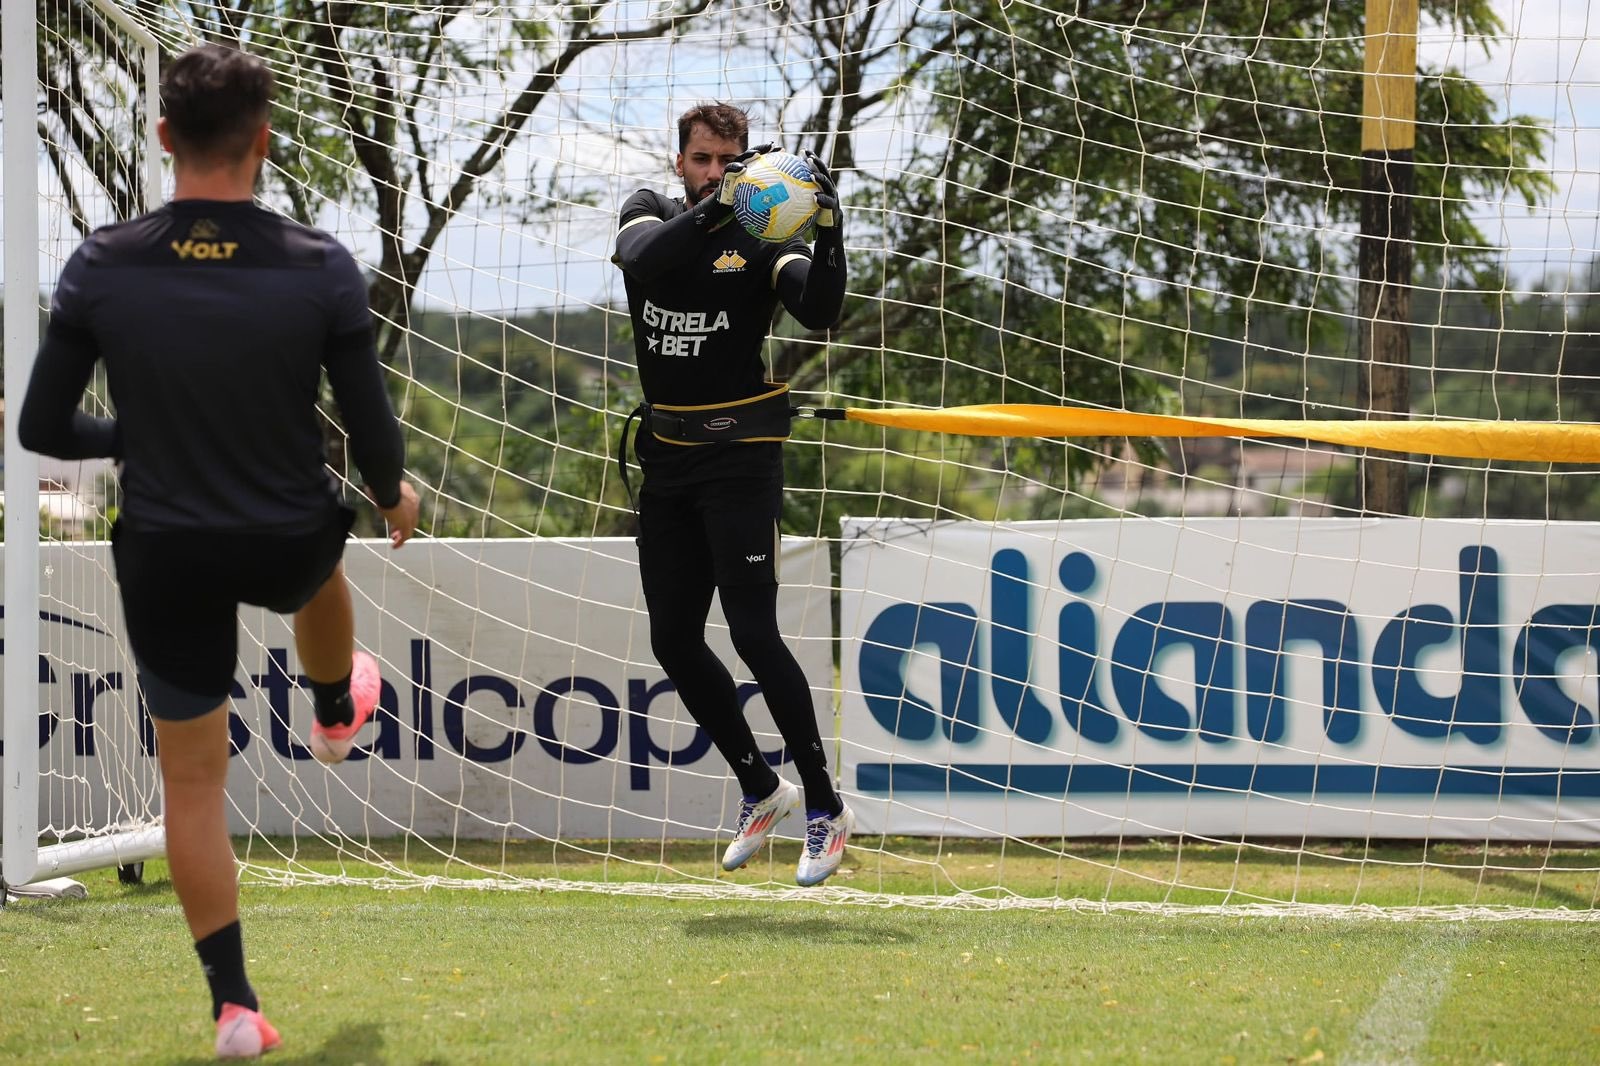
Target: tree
[(91, 119), (363, 121), (1074, 207), (1090, 206), (1528, 356), (1160, 165)]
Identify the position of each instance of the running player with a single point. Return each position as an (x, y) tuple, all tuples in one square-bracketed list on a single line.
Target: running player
[(215, 321), (703, 293)]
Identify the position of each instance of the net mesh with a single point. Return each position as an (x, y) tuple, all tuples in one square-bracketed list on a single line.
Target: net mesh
[(1146, 207)]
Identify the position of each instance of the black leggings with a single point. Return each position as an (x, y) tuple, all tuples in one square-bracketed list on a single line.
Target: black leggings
[(677, 636)]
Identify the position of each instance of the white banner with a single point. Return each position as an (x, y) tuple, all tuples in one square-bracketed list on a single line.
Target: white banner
[(1226, 677), (520, 698)]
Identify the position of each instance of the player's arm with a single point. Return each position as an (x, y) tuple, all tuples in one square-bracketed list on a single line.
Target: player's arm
[(50, 422), (649, 246), (812, 287), (377, 446)]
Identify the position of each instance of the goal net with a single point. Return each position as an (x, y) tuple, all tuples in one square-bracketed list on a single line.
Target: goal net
[(1105, 669), (81, 786)]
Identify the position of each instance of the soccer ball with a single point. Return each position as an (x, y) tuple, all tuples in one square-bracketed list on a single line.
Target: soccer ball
[(776, 196)]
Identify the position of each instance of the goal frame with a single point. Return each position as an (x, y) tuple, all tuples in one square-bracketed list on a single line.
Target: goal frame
[(22, 859)]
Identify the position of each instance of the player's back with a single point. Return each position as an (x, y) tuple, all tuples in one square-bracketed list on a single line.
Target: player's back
[(213, 320)]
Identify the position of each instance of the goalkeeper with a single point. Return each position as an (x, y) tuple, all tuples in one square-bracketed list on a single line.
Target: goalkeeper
[(702, 293), (215, 320)]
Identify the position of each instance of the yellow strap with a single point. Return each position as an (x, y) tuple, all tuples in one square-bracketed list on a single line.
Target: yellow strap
[(778, 389), (637, 221), (1532, 442), (783, 261)]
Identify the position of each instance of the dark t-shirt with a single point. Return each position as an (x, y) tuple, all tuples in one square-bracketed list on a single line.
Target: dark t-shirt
[(698, 334), (215, 321)]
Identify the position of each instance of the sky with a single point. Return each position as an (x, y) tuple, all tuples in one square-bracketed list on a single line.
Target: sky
[(1547, 65)]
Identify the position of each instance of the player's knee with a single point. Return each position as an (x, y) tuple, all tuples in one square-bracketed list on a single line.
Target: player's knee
[(757, 642), (194, 770), (675, 647), (753, 623)]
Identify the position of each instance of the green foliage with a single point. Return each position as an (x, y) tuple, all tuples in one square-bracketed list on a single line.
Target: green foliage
[(1131, 204), (1536, 357), (510, 423), (1167, 162), (518, 432)]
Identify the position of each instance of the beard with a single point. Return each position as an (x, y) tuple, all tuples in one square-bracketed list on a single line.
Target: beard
[(692, 196)]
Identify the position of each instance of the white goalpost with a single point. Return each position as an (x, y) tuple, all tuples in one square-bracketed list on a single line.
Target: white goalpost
[(64, 816), (1099, 673)]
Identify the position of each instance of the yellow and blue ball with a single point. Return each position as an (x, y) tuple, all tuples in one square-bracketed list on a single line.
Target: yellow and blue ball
[(776, 196)]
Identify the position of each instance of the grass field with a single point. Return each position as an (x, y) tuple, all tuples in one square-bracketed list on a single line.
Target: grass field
[(352, 974)]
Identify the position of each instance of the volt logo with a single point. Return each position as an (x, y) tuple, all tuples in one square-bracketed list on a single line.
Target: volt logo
[(193, 249)]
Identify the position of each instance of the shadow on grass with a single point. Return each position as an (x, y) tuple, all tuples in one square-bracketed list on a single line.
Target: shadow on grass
[(843, 928), (1534, 888), (358, 1043)]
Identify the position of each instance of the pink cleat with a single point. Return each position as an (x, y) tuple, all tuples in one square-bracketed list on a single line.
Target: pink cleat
[(243, 1033), (330, 744)]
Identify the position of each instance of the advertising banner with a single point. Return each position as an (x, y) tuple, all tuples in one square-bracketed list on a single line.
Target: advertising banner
[(1222, 677), (520, 699)]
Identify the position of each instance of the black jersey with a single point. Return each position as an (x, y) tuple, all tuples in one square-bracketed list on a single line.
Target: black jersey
[(698, 333), (215, 321)]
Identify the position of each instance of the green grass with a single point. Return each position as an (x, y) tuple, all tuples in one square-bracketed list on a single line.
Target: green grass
[(356, 975), (1316, 872)]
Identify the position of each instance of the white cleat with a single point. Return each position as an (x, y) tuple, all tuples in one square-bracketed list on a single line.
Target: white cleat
[(824, 848), (758, 819)]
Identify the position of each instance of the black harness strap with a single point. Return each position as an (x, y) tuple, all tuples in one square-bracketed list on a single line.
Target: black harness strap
[(763, 417), (622, 452)]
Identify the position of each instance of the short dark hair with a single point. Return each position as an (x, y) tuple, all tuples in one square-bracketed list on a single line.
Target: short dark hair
[(214, 99), (723, 120)]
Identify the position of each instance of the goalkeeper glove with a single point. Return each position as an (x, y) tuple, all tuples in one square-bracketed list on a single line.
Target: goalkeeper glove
[(829, 213), (734, 172)]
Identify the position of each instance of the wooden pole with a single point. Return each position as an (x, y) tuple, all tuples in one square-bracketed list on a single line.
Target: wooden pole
[(1388, 182)]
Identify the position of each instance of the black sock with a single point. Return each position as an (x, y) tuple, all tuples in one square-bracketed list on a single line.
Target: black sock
[(760, 793), (332, 702), (811, 767), (222, 959), (820, 796)]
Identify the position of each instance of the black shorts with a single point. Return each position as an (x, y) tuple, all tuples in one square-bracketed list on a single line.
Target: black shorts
[(181, 592), (720, 532)]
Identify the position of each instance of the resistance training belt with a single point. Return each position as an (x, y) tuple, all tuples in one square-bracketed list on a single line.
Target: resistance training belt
[(763, 417), (766, 417)]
